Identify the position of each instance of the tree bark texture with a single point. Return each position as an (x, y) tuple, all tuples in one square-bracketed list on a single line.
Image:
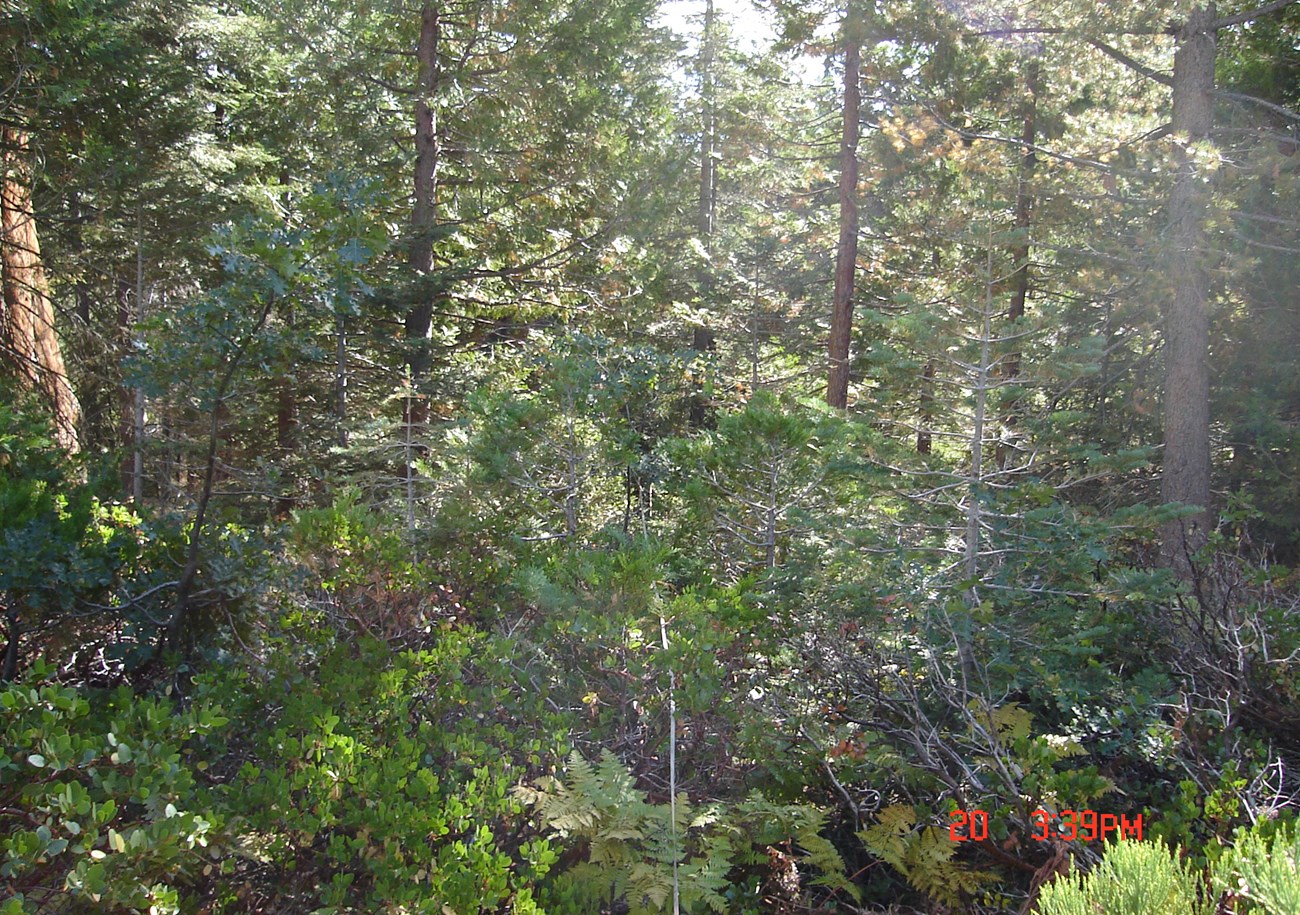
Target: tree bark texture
[(846, 252), (1186, 319), (424, 214), (1020, 251), (27, 331)]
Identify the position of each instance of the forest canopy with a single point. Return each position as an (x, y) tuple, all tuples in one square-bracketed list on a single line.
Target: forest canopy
[(649, 456)]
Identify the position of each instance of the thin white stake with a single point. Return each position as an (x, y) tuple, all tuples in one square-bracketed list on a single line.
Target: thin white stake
[(672, 767)]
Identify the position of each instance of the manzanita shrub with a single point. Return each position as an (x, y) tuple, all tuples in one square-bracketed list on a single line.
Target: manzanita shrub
[(99, 805), (382, 781), (371, 780)]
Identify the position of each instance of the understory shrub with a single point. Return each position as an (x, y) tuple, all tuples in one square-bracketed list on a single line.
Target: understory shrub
[(637, 851), (381, 781), (1258, 875), (99, 806), (1263, 872), (1133, 878)]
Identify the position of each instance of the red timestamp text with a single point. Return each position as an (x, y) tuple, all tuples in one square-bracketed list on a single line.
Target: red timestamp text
[(1070, 825)]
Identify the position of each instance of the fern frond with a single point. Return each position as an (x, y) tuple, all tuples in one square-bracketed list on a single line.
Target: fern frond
[(1010, 721), (648, 888), (924, 856), (887, 838), (822, 854)]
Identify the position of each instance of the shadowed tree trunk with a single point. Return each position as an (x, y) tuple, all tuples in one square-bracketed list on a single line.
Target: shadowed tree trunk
[(424, 214), (27, 334), (286, 428), (701, 413), (1186, 315), (846, 253), (1020, 252), (9, 666), (924, 434)]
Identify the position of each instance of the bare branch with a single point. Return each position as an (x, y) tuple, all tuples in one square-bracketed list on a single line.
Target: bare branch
[(1238, 18), (1252, 100), (1130, 62)]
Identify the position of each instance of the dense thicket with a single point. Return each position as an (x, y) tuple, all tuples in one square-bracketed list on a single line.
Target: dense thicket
[(515, 456)]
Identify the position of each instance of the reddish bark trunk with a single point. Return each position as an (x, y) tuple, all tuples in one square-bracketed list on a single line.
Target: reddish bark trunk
[(27, 330)]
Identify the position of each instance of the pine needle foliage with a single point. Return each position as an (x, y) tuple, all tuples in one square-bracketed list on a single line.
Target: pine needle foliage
[(1133, 878), (1263, 874)]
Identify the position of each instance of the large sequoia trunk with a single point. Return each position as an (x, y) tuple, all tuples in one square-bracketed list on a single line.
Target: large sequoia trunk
[(1186, 318), (27, 335)]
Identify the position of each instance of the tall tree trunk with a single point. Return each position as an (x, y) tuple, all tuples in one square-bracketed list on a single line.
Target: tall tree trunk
[(982, 383), (424, 214), (287, 419), (286, 427), (138, 412), (1020, 251), (9, 666), (125, 393), (81, 287), (99, 361), (27, 330), (708, 203), (341, 376), (703, 344), (924, 434), (846, 252), (703, 340), (1024, 210), (1186, 316), (132, 412)]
